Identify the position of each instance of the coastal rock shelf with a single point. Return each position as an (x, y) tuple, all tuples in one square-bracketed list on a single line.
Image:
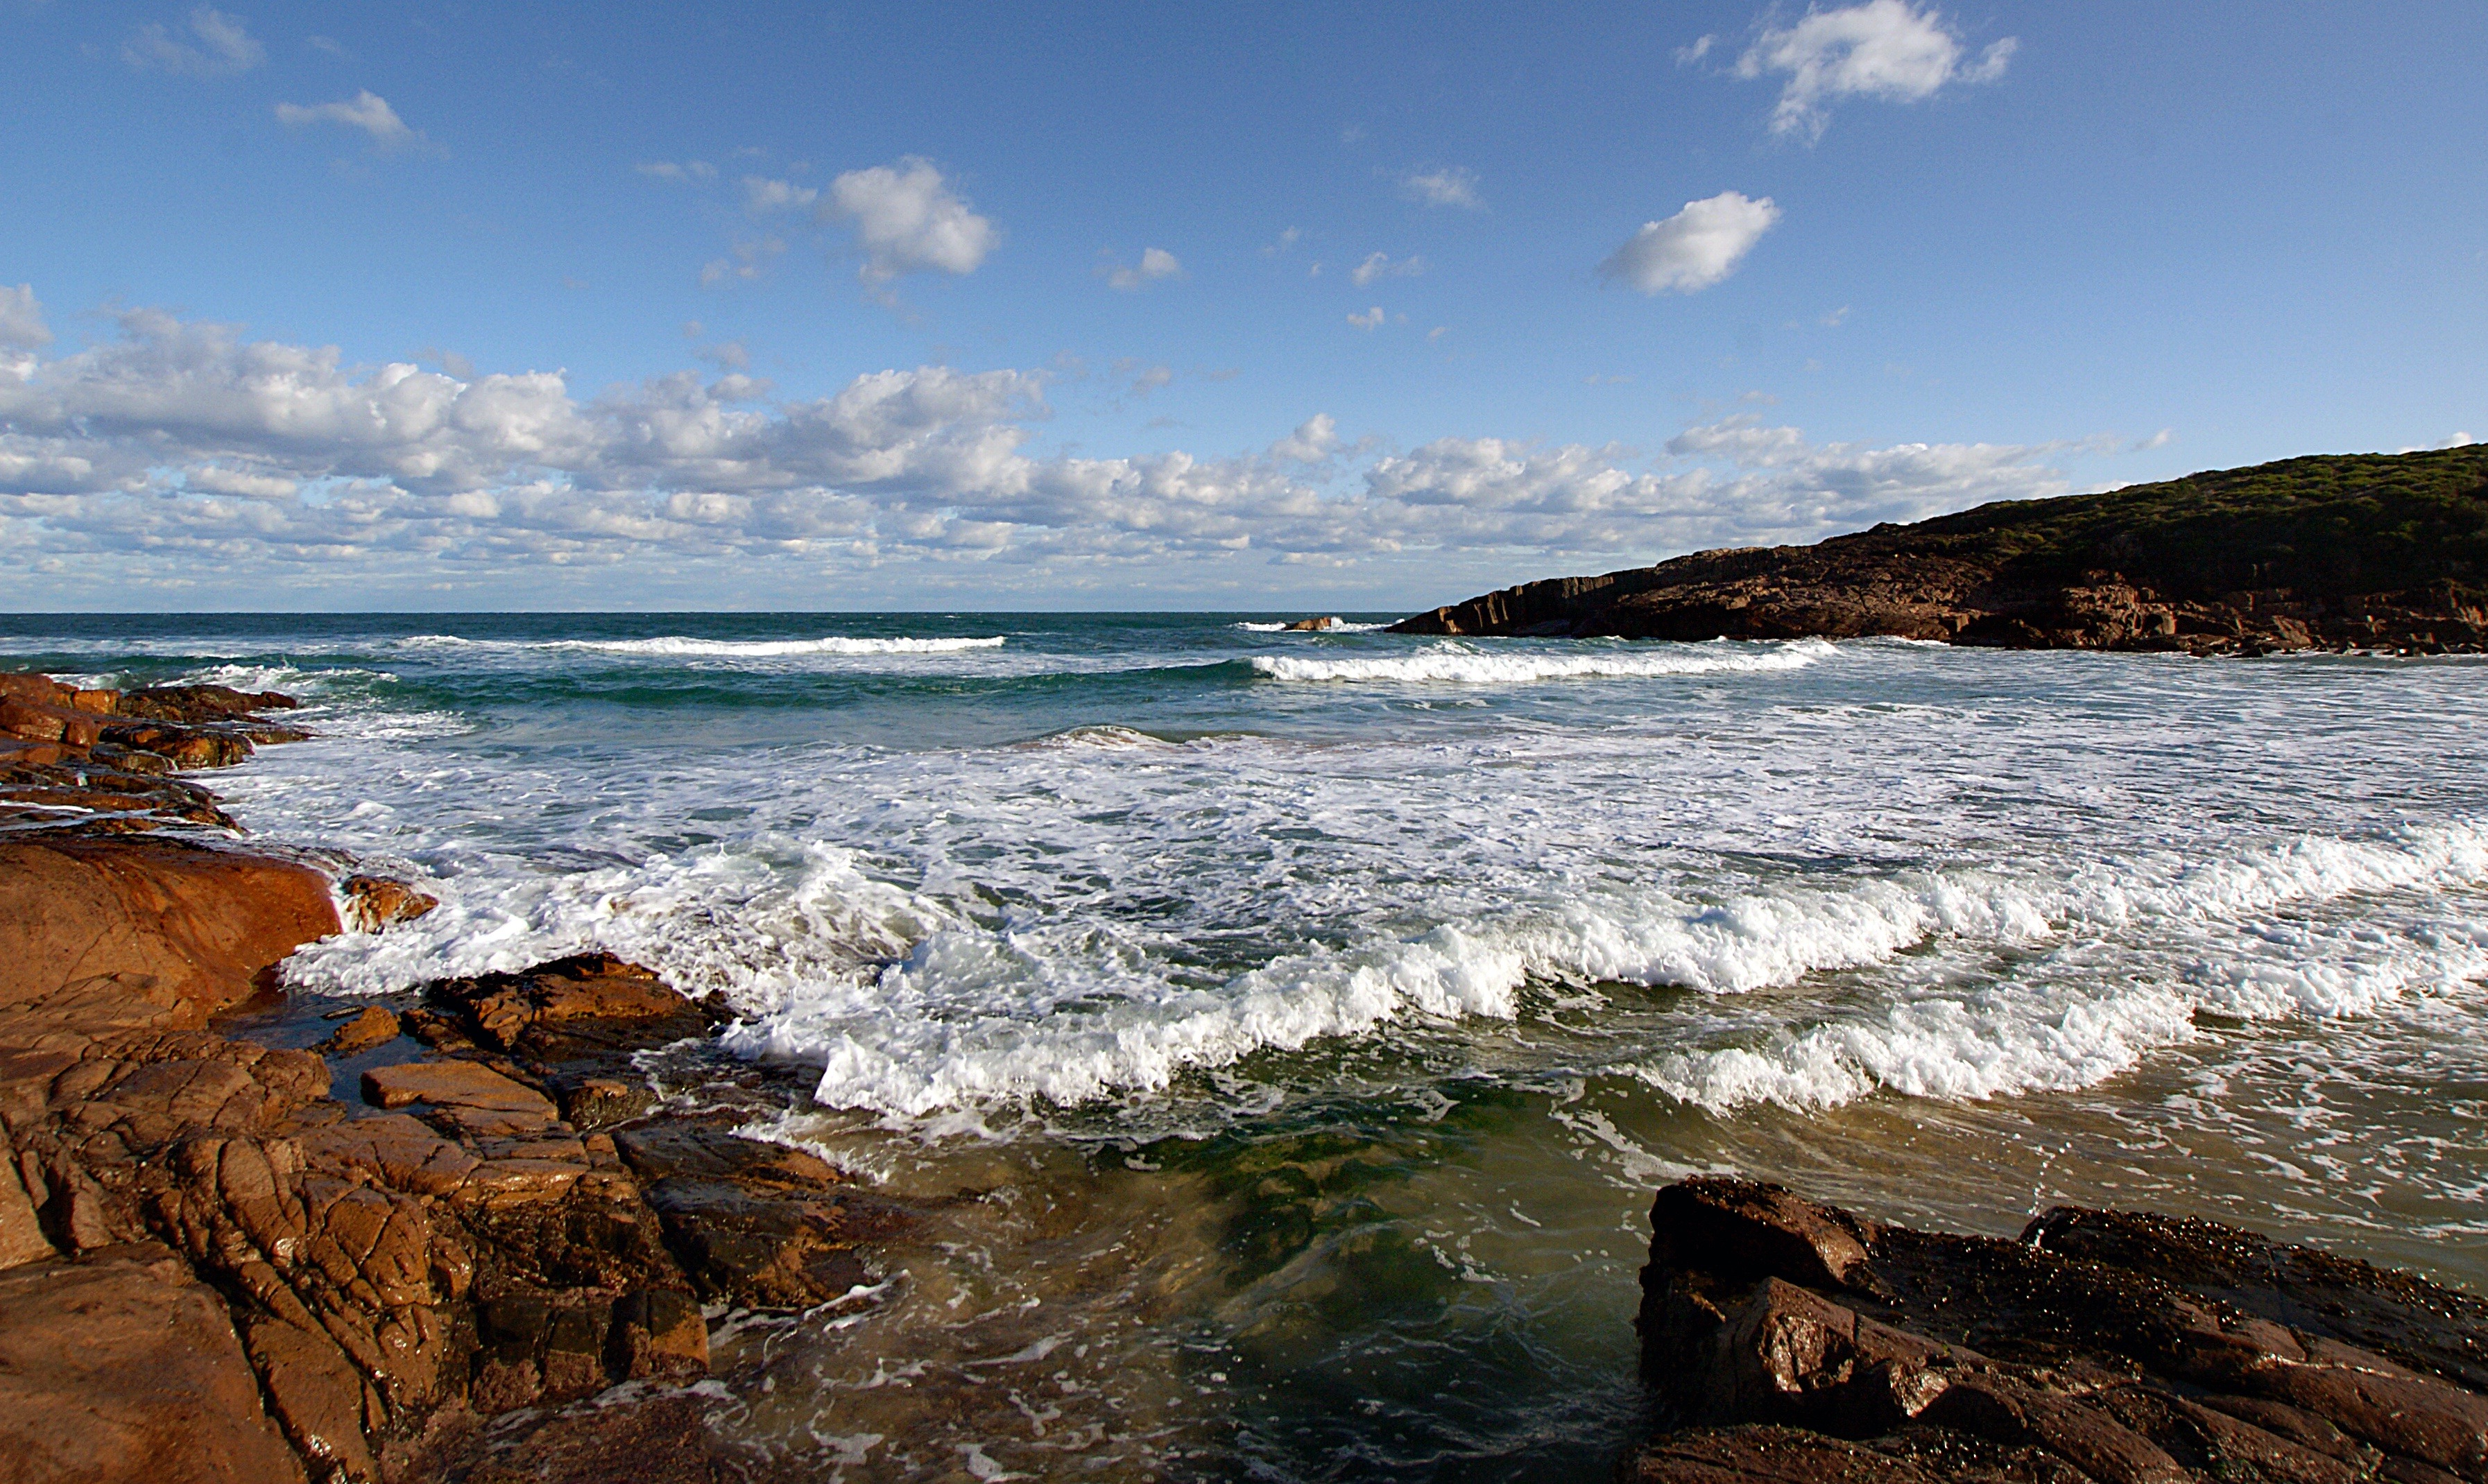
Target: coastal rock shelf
[(2340, 552), (1791, 1341), (213, 1268)]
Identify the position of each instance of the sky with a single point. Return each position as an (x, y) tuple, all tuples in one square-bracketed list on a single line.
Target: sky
[(1270, 307)]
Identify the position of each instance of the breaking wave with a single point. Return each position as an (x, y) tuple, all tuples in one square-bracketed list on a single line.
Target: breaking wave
[(1461, 665)]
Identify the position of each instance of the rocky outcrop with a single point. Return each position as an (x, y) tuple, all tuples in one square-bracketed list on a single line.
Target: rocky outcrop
[(214, 1266), (2364, 552), (1788, 1340)]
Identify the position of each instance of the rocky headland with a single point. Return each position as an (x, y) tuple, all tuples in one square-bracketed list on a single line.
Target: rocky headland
[(2378, 552), (1798, 1343)]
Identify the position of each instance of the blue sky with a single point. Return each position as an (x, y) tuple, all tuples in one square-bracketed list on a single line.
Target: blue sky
[(1351, 306)]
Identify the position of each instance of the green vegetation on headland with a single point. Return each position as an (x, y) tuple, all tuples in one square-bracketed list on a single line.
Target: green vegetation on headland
[(2334, 551)]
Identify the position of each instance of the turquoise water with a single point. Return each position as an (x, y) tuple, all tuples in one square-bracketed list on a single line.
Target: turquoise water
[(1286, 1030)]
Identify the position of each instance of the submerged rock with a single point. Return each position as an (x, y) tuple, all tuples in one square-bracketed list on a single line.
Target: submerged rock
[(1789, 1341)]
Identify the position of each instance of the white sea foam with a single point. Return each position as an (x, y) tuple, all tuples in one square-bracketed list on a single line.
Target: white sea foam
[(739, 648), (2011, 1038), (1342, 627), (1463, 665), (2016, 883)]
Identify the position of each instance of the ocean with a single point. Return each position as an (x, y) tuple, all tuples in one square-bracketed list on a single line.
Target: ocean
[(1284, 1032)]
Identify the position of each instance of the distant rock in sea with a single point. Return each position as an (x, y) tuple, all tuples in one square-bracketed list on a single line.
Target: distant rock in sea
[(1315, 625), (2359, 551)]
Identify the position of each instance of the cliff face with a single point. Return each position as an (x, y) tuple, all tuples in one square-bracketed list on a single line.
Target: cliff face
[(2350, 552)]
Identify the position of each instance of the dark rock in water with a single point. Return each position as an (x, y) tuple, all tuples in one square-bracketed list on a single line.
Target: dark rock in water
[(2359, 551), (1789, 1341), (757, 1225), (1315, 625)]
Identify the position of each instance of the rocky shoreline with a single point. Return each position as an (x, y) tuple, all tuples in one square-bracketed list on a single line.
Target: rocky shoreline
[(465, 1235), (218, 1263), (1792, 1341), (2360, 553)]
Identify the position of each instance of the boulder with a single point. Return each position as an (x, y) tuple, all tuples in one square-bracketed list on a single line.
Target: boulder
[(206, 925), (1782, 1335), (374, 902)]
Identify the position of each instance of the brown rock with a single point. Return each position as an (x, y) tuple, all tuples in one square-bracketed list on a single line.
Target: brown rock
[(374, 902), (1313, 625), (373, 1025), (22, 1231), (577, 1007), (2005, 1410), (317, 1393), (119, 1366), (454, 1084), (207, 925), (1738, 1228), (2166, 1352), (1763, 1455)]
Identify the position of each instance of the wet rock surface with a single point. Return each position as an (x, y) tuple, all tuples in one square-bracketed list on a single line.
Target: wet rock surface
[(217, 1265), (2345, 553), (1789, 1340), (98, 762)]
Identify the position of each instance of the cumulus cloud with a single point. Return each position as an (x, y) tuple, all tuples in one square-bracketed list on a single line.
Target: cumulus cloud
[(1886, 49), (366, 110), (183, 447), (908, 220), (1694, 248), (1155, 262), (1380, 266), (216, 45), (1370, 319), (1450, 186), (21, 318)]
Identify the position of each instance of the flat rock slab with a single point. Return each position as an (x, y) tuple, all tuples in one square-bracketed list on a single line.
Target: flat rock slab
[(121, 1366), (454, 1084)]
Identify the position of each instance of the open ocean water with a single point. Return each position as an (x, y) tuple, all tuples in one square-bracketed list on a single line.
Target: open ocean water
[(1284, 1032)]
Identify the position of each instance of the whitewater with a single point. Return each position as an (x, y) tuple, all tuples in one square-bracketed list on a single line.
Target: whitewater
[(1517, 927)]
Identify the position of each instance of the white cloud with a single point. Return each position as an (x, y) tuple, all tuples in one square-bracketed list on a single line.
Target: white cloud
[(1450, 186), (182, 451), (1287, 239), (2160, 440), (21, 318), (907, 220), (1694, 248), (1156, 263), (751, 259), (1686, 56), (1380, 266), (762, 195), (669, 170), (217, 46), (366, 110), (1886, 49), (1370, 319)]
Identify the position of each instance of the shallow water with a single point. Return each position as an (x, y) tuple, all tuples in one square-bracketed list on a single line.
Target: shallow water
[(1285, 1031)]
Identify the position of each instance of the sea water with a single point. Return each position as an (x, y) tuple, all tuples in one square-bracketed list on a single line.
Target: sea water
[(1282, 1032)]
